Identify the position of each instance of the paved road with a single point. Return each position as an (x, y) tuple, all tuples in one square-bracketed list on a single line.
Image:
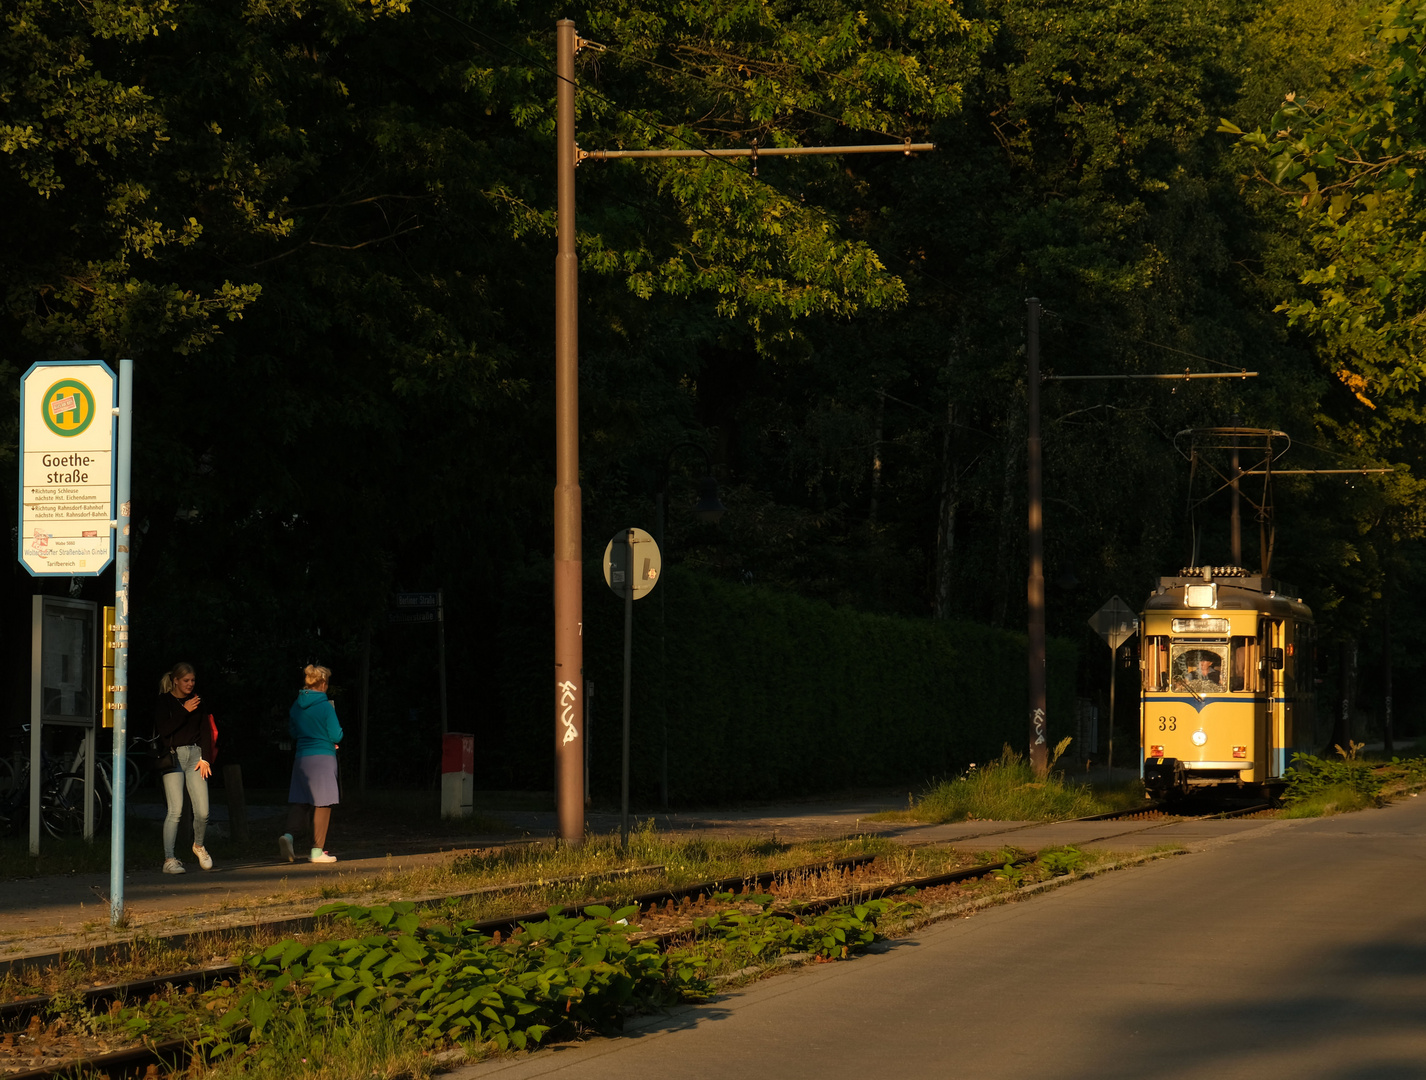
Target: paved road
[(1296, 949)]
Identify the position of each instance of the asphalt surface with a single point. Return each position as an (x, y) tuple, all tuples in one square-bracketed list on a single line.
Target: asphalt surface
[(1275, 949)]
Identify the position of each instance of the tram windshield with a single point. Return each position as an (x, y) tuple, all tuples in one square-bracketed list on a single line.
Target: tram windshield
[(1200, 667)]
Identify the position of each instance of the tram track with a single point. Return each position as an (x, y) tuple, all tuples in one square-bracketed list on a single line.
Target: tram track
[(136, 1061), (25, 1016), (17, 1013)]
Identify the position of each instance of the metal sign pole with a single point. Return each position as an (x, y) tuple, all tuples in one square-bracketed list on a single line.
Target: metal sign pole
[(1113, 653), (628, 688), (441, 648), (120, 639), (36, 725), (1116, 624)]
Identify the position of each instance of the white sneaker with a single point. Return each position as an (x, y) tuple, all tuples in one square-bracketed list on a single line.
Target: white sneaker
[(173, 866), (284, 847), (318, 855), (204, 859)]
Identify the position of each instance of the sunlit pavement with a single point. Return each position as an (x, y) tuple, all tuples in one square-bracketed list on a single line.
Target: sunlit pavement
[(1286, 949)]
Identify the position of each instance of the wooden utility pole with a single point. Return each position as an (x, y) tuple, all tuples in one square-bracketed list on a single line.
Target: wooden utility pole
[(568, 551), (1039, 750)]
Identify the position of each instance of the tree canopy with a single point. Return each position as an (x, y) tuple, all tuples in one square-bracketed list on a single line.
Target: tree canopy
[(325, 232)]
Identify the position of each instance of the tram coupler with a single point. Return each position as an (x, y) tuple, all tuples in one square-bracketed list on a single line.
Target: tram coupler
[(1164, 777)]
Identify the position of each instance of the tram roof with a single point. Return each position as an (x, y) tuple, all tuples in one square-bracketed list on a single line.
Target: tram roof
[(1241, 592)]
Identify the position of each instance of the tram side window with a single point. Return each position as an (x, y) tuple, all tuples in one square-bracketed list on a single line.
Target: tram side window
[(1154, 662), (1244, 673)]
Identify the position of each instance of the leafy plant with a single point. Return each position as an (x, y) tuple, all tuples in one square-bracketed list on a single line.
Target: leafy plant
[(1014, 874), (1310, 777), (448, 983), (1061, 861), (444, 983)]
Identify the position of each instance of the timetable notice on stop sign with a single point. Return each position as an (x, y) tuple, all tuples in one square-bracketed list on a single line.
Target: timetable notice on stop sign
[(66, 468)]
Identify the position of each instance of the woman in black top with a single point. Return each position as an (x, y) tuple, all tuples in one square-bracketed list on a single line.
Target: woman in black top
[(184, 731)]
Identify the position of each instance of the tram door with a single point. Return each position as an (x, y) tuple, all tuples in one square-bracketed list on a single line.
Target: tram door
[(1274, 732)]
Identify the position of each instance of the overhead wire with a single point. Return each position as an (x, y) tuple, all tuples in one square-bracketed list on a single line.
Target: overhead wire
[(749, 173), (1145, 341), (537, 62)]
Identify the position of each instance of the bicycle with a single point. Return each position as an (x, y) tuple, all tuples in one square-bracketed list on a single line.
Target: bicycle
[(62, 797), (141, 747)]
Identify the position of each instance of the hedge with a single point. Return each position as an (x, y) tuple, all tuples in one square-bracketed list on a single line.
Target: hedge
[(766, 694)]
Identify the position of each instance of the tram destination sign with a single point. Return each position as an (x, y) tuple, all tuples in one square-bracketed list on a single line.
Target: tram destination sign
[(67, 468)]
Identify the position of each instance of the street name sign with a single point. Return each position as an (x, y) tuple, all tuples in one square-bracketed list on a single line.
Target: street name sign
[(67, 465)]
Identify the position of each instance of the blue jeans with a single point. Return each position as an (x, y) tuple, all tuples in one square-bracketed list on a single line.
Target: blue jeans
[(186, 758)]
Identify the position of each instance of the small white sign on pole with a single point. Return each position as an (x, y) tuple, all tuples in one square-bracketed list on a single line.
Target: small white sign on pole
[(67, 468)]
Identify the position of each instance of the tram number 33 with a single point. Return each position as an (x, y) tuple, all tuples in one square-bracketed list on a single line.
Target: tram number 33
[(1168, 723)]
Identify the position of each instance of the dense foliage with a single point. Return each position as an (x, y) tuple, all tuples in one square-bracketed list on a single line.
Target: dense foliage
[(325, 233), (758, 693)]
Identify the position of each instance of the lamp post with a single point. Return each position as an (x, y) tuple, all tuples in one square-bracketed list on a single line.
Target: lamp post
[(709, 509)]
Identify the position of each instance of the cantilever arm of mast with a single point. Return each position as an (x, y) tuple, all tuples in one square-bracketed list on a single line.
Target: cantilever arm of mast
[(754, 151), (1180, 375), (1309, 472)]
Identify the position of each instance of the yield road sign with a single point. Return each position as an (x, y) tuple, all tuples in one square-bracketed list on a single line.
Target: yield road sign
[(1114, 622)]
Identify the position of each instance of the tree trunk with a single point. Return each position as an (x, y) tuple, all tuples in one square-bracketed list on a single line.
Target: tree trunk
[(946, 521), (1342, 728), (1387, 735), (1007, 549)]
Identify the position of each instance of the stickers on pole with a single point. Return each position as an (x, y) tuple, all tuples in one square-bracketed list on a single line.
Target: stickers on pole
[(645, 568), (67, 464)]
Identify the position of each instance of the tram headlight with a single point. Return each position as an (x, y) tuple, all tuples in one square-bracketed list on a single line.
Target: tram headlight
[(1201, 596), (1200, 737)]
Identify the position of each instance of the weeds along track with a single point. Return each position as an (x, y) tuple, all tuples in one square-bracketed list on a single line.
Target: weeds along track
[(41, 1037), (1160, 813), (38, 1040), (15, 1015)]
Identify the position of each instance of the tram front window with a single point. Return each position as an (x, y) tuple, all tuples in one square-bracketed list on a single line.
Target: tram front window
[(1199, 668)]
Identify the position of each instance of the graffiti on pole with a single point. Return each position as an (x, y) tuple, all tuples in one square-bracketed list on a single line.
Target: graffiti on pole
[(567, 694)]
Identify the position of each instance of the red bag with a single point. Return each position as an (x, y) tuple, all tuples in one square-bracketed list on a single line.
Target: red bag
[(212, 739)]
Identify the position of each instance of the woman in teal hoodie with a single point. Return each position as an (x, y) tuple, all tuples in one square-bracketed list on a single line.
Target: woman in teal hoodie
[(312, 722)]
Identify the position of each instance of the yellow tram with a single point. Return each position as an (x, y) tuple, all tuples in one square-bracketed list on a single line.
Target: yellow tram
[(1227, 681)]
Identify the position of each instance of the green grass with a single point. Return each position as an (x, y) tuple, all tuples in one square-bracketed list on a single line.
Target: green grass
[(363, 1044), (1008, 790), (1334, 799)]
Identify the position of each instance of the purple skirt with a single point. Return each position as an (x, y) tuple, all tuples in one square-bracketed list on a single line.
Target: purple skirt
[(314, 780)]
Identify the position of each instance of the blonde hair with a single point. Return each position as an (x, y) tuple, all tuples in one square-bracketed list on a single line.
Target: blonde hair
[(315, 673), (180, 669)]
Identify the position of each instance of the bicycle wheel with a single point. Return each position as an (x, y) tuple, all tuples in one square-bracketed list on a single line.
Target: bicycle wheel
[(7, 779), (62, 806)]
